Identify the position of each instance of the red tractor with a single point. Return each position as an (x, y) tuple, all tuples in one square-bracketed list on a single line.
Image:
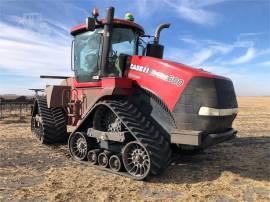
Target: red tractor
[(130, 107)]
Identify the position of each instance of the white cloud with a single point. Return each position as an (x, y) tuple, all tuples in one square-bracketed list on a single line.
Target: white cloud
[(35, 40), (265, 63), (251, 34), (214, 45), (223, 53), (221, 48), (31, 53), (199, 58), (195, 11), (203, 50), (190, 40), (34, 43), (248, 56), (37, 23), (199, 16), (26, 54), (144, 8)]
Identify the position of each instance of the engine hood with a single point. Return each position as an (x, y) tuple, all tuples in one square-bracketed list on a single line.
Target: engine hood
[(175, 67), (164, 78)]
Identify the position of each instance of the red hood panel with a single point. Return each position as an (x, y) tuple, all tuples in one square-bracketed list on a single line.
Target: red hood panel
[(164, 78)]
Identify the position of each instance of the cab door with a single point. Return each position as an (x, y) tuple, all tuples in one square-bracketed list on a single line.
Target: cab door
[(87, 55), (86, 59)]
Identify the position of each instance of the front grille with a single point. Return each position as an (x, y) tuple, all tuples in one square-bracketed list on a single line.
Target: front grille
[(207, 92), (225, 94)]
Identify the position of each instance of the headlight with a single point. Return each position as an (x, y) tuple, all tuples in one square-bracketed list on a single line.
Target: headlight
[(208, 111)]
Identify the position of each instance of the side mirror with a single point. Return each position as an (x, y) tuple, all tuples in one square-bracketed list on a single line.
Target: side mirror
[(90, 24)]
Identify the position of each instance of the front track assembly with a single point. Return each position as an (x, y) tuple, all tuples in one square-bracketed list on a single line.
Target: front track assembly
[(144, 151)]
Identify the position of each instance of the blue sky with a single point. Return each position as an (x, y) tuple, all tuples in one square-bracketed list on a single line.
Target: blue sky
[(227, 37)]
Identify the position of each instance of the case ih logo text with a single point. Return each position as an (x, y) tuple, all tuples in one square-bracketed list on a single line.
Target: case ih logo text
[(139, 68), (169, 78)]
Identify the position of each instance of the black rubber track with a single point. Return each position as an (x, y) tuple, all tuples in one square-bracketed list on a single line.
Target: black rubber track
[(54, 128), (60, 121), (143, 130)]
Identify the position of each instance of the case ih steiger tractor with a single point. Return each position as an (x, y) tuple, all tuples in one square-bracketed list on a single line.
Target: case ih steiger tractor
[(130, 107)]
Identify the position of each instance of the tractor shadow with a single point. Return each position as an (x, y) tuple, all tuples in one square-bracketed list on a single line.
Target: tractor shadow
[(246, 156)]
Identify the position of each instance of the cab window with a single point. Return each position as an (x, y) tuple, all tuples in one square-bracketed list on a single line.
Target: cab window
[(87, 53)]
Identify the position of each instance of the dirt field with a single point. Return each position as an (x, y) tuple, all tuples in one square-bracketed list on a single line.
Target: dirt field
[(238, 170)]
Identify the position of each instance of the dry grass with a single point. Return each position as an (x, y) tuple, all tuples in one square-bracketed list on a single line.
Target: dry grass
[(236, 170)]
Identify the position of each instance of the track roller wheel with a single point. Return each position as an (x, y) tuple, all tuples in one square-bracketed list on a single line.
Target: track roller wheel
[(115, 163), (78, 145), (103, 159), (92, 156), (136, 160)]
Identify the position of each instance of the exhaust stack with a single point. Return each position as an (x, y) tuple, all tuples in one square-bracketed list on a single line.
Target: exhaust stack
[(158, 30), (156, 50)]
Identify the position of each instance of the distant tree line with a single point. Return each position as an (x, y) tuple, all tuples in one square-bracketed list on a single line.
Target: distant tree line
[(18, 105)]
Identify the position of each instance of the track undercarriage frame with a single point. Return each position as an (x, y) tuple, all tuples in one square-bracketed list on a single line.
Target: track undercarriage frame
[(119, 137)]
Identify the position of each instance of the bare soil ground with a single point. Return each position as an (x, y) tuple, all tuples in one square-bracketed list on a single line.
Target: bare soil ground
[(238, 170)]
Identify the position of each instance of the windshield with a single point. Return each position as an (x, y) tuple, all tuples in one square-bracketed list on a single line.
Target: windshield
[(123, 43)]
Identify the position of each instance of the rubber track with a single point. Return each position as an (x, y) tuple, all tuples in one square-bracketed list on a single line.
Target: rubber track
[(144, 131), (60, 121), (53, 122)]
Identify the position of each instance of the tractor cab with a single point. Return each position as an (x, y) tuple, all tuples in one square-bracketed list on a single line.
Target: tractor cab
[(101, 47)]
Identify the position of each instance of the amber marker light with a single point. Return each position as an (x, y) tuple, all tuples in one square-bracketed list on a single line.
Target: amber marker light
[(95, 13)]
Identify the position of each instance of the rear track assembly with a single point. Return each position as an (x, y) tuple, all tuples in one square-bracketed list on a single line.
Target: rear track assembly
[(48, 125)]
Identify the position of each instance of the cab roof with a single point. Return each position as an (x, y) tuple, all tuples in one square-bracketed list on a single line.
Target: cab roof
[(117, 22)]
